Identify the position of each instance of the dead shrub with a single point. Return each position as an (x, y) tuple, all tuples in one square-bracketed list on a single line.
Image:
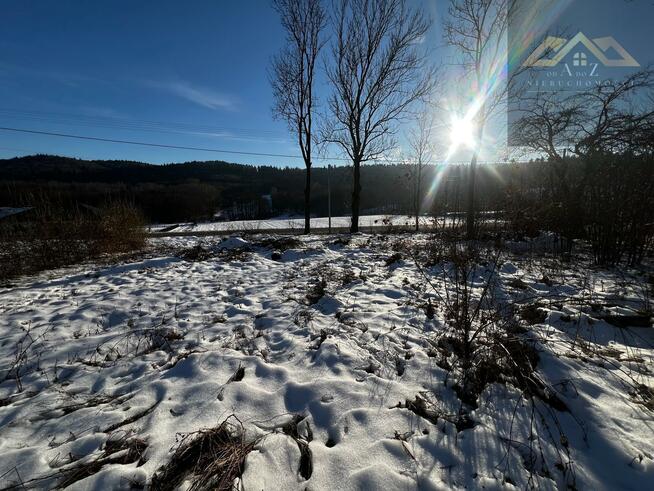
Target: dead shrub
[(425, 408), (209, 459), (316, 291), (26, 358), (394, 258), (236, 254), (432, 253), (342, 241), (121, 228), (52, 236), (195, 253), (483, 342), (280, 244), (644, 395), (533, 314)]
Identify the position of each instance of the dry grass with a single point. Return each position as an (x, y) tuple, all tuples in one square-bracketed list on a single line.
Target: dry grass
[(280, 244), (117, 451), (207, 459), (49, 237)]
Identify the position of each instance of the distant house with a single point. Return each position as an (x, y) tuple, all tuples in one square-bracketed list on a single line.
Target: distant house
[(250, 210), (266, 204)]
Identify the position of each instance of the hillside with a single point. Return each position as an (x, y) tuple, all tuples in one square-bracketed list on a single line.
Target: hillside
[(57, 168), (197, 188)]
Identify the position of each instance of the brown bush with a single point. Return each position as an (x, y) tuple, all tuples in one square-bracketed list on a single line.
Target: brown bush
[(49, 236), (121, 229)]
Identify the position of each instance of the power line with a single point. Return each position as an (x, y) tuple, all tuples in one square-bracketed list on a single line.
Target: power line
[(134, 124), (162, 145), (204, 149)]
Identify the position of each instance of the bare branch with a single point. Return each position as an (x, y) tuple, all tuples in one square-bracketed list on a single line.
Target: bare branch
[(292, 75), (378, 71)]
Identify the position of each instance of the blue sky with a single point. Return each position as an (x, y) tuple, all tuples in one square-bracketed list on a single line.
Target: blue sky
[(110, 69), (190, 73), (200, 67)]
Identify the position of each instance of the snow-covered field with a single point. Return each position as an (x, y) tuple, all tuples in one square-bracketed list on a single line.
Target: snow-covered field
[(327, 352), (366, 221)]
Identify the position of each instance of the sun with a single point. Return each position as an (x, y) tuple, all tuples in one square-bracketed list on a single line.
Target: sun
[(462, 133)]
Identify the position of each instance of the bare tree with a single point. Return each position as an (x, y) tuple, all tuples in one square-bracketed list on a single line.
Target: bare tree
[(421, 144), (616, 118), (477, 29), (588, 137), (378, 71), (611, 117), (292, 78)]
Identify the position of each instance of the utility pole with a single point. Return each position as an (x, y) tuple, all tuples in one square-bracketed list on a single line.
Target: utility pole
[(329, 198)]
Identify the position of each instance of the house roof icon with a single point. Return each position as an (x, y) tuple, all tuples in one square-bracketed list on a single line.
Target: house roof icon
[(561, 47)]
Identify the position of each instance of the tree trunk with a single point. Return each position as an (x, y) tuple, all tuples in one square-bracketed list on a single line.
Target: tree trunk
[(417, 212), (356, 197), (418, 196), (470, 210), (307, 202)]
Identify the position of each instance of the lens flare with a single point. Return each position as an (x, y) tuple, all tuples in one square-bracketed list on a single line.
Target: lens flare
[(462, 133)]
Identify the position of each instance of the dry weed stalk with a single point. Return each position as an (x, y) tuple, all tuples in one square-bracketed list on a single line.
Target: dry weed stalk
[(209, 458)]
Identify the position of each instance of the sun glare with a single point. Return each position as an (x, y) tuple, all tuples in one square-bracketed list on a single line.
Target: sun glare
[(462, 133)]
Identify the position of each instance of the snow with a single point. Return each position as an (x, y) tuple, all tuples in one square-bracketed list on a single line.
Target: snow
[(367, 221), (160, 338)]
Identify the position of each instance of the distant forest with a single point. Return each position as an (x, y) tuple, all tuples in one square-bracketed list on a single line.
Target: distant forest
[(195, 191)]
